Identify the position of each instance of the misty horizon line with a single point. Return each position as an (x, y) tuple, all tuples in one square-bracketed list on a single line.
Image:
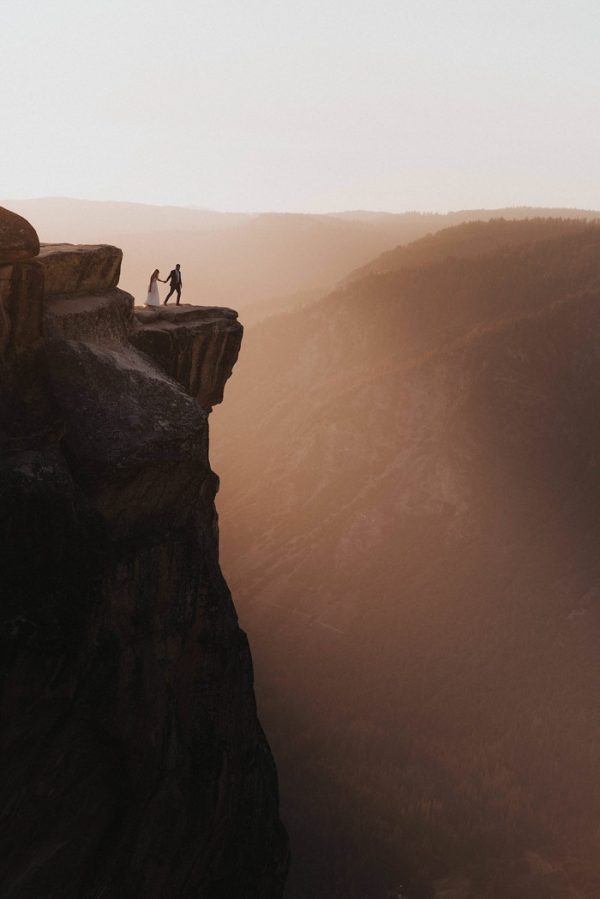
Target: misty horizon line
[(294, 212)]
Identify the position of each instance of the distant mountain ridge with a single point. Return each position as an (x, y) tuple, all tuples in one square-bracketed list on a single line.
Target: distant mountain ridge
[(58, 218)]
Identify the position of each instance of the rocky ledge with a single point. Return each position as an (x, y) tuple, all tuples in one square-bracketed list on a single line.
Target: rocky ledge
[(133, 761), (196, 345)]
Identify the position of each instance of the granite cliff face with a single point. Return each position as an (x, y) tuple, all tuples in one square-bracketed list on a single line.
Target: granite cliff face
[(133, 761)]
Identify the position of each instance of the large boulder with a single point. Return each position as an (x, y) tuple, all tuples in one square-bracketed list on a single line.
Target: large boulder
[(18, 239), (98, 318), (70, 269)]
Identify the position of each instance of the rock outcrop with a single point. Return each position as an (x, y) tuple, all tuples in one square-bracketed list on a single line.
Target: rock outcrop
[(18, 239), (196, 345), (79, 269), (133, 761)]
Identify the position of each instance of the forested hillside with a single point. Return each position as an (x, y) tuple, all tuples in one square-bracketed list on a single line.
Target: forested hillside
[(466, 240), (410, 517)]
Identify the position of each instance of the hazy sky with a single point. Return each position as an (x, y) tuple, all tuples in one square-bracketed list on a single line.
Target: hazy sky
[(302, 104)]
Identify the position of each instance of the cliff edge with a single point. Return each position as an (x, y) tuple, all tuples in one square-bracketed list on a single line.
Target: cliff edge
[(133, 761)]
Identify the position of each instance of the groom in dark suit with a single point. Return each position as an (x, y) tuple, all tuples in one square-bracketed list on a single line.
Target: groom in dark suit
[(175, 284)]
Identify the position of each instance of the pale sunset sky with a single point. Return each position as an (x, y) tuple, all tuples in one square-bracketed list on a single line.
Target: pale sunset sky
[(302, 105)]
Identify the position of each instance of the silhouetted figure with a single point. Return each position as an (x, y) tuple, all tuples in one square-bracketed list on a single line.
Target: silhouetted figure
[(175, 283)]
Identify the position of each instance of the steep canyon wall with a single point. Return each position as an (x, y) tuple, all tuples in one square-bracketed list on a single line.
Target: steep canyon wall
[(133, 761)]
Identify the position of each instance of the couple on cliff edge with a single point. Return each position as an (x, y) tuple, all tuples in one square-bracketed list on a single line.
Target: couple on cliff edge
[(175, 283)]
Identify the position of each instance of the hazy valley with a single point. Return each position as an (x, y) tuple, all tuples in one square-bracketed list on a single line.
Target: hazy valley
[(409, 524)]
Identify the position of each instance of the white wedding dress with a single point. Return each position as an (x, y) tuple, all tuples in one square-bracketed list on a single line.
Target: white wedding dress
[(153, 298)]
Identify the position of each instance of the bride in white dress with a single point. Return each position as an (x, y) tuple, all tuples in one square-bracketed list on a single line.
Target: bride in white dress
[(153, 298)]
